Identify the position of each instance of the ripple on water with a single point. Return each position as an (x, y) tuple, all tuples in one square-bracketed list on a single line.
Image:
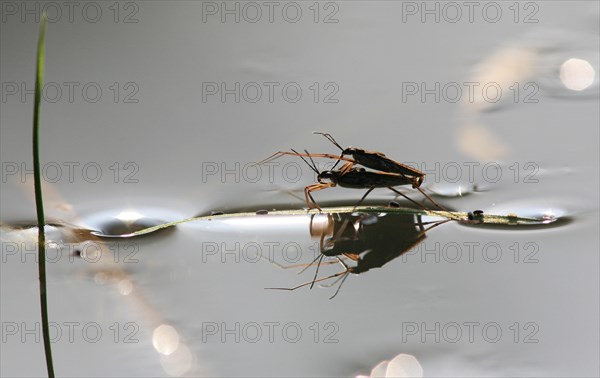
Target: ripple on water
[(449, 190), (116, 222)]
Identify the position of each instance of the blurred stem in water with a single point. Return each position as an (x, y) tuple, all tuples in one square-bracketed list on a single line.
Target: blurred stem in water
[(450, 215), (39, 204)]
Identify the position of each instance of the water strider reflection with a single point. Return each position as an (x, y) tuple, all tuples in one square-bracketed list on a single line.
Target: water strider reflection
[(360, 242), (349, 241)]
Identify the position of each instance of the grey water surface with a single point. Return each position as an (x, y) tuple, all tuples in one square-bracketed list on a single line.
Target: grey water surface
[(156, 111)]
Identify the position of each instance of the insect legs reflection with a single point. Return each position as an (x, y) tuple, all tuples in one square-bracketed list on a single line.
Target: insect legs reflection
[(371, 242)]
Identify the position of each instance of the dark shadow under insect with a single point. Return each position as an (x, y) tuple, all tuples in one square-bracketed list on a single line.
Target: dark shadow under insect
[(370, 242)]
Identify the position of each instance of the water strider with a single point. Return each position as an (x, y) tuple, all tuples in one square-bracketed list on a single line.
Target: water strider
[(386, 167), (349, 176)]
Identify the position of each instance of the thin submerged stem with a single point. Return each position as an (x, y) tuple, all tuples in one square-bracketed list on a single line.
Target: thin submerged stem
[(450, 215)]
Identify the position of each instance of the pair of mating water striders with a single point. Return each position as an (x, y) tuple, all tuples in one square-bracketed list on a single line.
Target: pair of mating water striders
[(386, 173)]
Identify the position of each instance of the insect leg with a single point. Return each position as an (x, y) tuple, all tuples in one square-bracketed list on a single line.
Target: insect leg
[(306, 283), (346, 221), (320, 258), (408, 198), (314, 188), (431, 199), (346, 274), (277, 155)]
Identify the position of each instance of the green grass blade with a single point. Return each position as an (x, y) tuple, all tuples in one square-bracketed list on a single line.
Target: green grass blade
[(39, 204)]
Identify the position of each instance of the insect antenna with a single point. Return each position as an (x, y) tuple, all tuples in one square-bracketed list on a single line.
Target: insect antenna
[(313, 166), (330, 138), (312, 161)]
